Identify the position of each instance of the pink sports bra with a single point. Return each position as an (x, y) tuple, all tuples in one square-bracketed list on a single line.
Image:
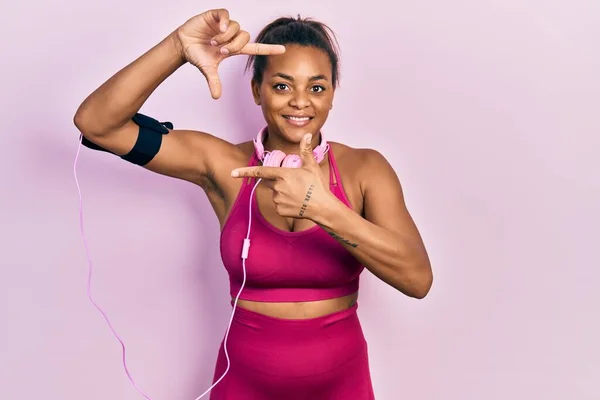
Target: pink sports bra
[(286, 266)]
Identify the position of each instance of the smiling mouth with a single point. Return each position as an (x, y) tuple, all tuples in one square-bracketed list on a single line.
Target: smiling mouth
[(297, 119)]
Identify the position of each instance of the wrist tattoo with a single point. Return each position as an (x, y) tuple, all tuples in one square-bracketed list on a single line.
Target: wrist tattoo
[(341, 239), (306, 200)]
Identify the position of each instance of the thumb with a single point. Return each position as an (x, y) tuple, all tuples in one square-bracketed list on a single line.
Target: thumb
[(306, 151), (214, 82)]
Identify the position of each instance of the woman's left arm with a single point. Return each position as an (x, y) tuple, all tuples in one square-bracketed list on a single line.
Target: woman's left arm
[(386, 241)]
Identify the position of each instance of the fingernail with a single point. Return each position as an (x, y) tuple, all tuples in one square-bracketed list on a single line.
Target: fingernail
[(223, 27), (224, 50), (235, 174), (308, 138), (213, 42)]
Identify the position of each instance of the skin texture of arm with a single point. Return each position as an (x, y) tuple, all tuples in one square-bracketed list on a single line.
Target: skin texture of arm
[(386, 240)]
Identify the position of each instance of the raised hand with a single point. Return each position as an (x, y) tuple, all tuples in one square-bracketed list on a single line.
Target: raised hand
[(208, 38), (297, 192)]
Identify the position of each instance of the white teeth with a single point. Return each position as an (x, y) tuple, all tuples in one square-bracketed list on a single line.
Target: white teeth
[(298, 118)]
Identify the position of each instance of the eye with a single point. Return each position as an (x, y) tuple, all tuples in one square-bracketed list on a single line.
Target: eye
[(321, 88), (280, 86)]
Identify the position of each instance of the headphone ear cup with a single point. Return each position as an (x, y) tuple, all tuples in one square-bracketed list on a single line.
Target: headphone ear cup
[(274, 158), (258, 144), (292, 161), (320, 151)]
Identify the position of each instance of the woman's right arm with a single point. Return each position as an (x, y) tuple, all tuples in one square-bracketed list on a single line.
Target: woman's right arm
[(106, 116)]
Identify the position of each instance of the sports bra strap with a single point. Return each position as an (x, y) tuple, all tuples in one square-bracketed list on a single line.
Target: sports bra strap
[(334, 174)]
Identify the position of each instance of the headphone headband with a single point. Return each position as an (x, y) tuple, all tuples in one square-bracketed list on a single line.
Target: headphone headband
[(279, 158)]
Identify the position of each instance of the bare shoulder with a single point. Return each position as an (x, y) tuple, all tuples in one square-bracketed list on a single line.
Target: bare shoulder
[(357, 166), (345, 153), (360, 163)]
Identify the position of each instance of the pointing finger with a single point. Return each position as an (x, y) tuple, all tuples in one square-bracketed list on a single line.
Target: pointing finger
[(258, 172), (262, 49)]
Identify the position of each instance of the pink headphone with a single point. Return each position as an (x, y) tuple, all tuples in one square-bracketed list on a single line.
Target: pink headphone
[(278, 158)]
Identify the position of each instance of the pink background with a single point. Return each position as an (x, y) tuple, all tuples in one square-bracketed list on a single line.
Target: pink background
[(489, 111)]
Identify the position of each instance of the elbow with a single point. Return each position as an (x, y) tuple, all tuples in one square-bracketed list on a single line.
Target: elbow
[(421, 292), (78, 121), (425, 282), (88, 123), (419, 284), (82, 123)]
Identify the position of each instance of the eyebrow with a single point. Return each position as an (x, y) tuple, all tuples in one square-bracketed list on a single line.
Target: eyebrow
[(291, 78)]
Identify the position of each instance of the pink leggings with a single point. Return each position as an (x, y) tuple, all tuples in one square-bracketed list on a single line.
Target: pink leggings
[(322, 358)]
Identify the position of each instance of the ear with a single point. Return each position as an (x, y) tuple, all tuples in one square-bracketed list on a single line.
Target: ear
[(255, 87), (332, 99)]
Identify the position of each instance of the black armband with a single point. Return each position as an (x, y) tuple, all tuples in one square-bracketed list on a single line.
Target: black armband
[(148, 141)]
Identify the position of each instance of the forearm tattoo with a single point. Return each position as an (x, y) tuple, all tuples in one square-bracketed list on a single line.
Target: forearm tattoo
[(306, 200), (341, 239), (332, 234)]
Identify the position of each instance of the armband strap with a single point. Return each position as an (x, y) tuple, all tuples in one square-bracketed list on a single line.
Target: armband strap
[(89, 144), (148, 141)]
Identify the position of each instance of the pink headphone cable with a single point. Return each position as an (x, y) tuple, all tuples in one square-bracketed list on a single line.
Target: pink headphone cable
[(245, 250)]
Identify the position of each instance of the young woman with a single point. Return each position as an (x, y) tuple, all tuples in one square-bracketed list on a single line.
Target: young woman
[(319, 216)]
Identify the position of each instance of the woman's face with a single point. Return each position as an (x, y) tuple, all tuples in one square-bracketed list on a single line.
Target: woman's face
[(296, 93)]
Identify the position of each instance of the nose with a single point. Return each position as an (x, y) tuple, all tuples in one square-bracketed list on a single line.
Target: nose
[(300, 100)]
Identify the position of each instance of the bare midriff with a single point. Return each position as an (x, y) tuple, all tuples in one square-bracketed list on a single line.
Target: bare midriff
[(299, 310)]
